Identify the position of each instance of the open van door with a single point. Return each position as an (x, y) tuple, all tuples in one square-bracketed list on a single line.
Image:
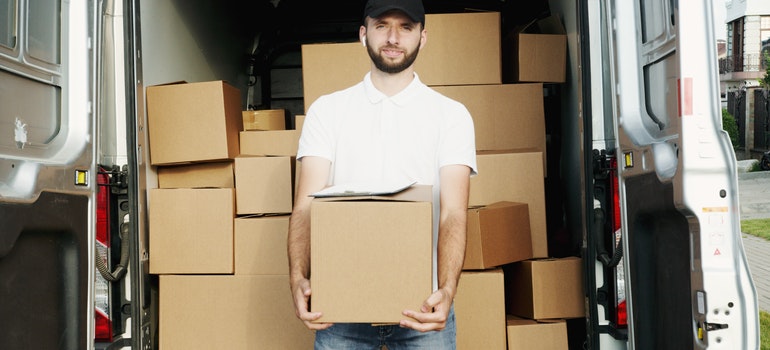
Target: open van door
[(47, 174), (683, 275)]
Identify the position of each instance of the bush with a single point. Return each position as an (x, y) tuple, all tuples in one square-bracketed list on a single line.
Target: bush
[(729, 125)]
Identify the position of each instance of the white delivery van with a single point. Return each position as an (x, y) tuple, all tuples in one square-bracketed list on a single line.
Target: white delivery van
[(641, 182)]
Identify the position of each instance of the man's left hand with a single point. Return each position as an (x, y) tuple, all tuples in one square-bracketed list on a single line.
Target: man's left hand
[(432, 315)]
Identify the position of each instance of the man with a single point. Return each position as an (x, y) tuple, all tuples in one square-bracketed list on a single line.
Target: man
[(388, 128)]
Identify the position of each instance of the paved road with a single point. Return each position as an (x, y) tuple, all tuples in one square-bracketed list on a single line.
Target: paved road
[(754, 195)]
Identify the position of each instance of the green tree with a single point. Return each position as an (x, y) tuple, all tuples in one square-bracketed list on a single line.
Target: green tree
[(729, 125), (764, 82)]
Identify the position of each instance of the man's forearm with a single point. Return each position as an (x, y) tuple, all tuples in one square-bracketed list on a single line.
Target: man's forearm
[(451, 251), (299, 245)]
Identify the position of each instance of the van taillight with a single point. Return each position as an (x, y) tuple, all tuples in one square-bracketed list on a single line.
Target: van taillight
[(102, 321), (621, 316)]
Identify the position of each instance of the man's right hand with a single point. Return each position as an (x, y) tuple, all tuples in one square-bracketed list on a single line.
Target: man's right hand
[(301, 292)]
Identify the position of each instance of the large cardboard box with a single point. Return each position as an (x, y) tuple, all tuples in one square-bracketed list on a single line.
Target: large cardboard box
[(200, 175), (371, 257), (260, 245), (191, 231), (505, 117), (462, 49), (270, 143), (229, 312), (536, 53), (545, 288), (193, 122), (514, 177), (263, 185), (526, 334), (498, 234), (480, 310), (264, 119)]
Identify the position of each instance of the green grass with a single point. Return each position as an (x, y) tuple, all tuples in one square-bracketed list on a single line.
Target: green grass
[(756, 227), (764, 330)]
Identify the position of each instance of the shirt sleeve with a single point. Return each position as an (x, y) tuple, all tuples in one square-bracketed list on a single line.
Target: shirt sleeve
[(316, 137), (458, 140)]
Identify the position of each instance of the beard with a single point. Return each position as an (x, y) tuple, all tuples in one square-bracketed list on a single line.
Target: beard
[(387, 66)]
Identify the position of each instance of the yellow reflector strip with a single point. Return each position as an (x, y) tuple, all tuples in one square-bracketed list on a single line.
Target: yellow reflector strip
[(714, 209), (81, 177), (628, 158)]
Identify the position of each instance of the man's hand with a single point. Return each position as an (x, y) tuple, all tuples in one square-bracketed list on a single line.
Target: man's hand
[(432, 315), (301, 293)]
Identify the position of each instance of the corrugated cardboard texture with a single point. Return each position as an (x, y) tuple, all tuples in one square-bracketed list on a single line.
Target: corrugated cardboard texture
[(526, 334), (462, 49), (536, 52), (263, 185), (505, 117), (480, 310), (545, 289), (193, 122), (260, 245), (270, 143), (265, 119), (213, 175), (514, 177), (191, 231), (370, 259), (229, 312), (497, 234)]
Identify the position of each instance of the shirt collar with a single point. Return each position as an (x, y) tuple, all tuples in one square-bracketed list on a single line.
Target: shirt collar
[(400, 99)]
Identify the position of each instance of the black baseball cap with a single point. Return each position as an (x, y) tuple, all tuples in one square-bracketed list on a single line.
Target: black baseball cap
[(412, 8)]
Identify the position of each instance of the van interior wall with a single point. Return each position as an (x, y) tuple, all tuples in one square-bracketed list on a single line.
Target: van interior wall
[(256, 46)]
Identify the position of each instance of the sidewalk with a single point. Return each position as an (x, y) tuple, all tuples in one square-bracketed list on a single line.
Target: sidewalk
[(758, 254), (754, 196)]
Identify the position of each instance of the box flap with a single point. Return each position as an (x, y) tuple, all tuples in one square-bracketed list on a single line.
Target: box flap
[(548, 25)]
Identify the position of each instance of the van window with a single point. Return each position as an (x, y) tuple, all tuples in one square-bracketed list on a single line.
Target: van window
[(43, 41), (8, 23), (30, 74)]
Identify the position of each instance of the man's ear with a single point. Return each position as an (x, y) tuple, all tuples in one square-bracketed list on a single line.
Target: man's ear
[(362, 35), (423, 38)]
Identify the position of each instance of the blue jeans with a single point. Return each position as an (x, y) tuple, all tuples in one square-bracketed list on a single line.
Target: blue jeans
[(355, 336)]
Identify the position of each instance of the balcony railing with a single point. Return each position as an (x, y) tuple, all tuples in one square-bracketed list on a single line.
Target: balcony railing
[(742, 63)]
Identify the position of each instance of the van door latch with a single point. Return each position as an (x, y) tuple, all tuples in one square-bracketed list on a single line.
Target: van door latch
[(714, 326)]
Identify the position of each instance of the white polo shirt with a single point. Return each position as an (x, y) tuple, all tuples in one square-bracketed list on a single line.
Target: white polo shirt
[(372, 138)]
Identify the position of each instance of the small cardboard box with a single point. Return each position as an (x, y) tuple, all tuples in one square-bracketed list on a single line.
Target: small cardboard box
[(265, 119), (270, 143), (472, 40), (191, 230), (525, 334), (514, 177), (260, 245), (263, 185), (545, 288), (193, 122), (498, 234), (371, 256), (201, 175), (480, 310), (536, 53), (229, 312)]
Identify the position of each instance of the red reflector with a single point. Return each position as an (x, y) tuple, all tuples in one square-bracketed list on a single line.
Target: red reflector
[(103, 327), (102, 209), (622, 315)]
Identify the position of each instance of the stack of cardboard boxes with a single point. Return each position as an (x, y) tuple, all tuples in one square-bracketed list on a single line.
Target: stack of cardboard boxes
[(219, 221), (507, 268)]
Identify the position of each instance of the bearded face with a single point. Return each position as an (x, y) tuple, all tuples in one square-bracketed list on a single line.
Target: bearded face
[(392, 58)]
